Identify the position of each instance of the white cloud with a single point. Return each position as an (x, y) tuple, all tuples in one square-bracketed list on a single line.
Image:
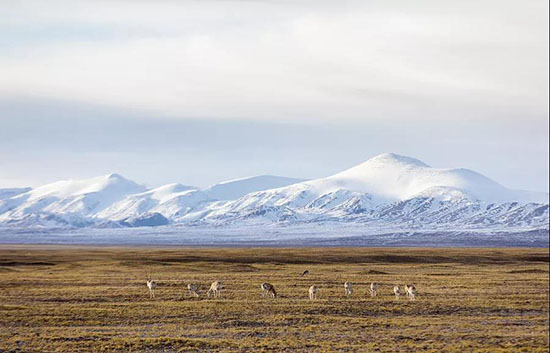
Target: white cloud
[(286, 60)]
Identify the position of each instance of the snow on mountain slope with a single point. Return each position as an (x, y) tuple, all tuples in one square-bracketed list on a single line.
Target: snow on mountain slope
[(11, 192), (167, 192), (175, 200), (390, 177), (233, 189), (114, 198), (384, 181), (83, 197), (169, 200), (388, 190)]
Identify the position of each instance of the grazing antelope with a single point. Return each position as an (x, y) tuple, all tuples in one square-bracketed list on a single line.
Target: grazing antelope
[(397, 291), (151, 285), (215, 289), (306, 272), (313, 290), (268, 289), (410, 290), (373, 289), (193, 289), (348, 288)]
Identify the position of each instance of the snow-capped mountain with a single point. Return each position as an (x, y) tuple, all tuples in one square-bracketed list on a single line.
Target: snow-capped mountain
[(386, 191), (82, 197), (385, 188), (112, 200), (68, 202), (175, 200)]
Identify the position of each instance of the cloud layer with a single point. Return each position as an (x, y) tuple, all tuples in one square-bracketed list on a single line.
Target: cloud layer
[(472, 75), (276, 59)]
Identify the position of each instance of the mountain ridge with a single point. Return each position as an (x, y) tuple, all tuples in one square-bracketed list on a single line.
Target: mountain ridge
[(386, 189)]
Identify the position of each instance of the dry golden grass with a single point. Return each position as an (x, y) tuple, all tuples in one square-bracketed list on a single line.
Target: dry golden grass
[(64, 299)]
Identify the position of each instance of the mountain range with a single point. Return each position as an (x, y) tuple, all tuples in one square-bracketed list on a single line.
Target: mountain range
[(386, 192)]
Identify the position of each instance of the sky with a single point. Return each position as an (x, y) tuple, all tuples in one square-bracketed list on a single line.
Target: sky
[(199, 92)]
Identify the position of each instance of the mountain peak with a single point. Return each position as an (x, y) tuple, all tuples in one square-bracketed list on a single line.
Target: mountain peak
[(114, 176), (392, 177), (395, 158), (113, 180)]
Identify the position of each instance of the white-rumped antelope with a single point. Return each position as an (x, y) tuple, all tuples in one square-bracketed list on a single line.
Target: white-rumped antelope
[(348, 288), (193, 289), (215, 289), (151, 285), (313, 290), (397, 292), (410, 290), (268, 289), (374, 289)]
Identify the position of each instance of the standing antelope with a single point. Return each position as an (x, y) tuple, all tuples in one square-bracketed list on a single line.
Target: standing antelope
[(151, 285), (410, 290), (348, 288), (313, 290), (193, 289), (215, 289), (268, 289), (373, 289), (397, 291)]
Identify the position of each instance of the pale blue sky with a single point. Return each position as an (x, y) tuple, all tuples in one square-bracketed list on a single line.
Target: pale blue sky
[(203, 91)]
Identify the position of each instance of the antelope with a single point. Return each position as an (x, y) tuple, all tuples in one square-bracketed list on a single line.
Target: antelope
[(410, 290), (373, 289), (193, 289), (397, 291), (306, 272), (313, 290), (268, 289), (348, 288), (215, 288), (151, 285)]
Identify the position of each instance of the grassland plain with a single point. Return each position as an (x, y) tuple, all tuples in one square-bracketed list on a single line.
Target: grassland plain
[(68, 299)]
